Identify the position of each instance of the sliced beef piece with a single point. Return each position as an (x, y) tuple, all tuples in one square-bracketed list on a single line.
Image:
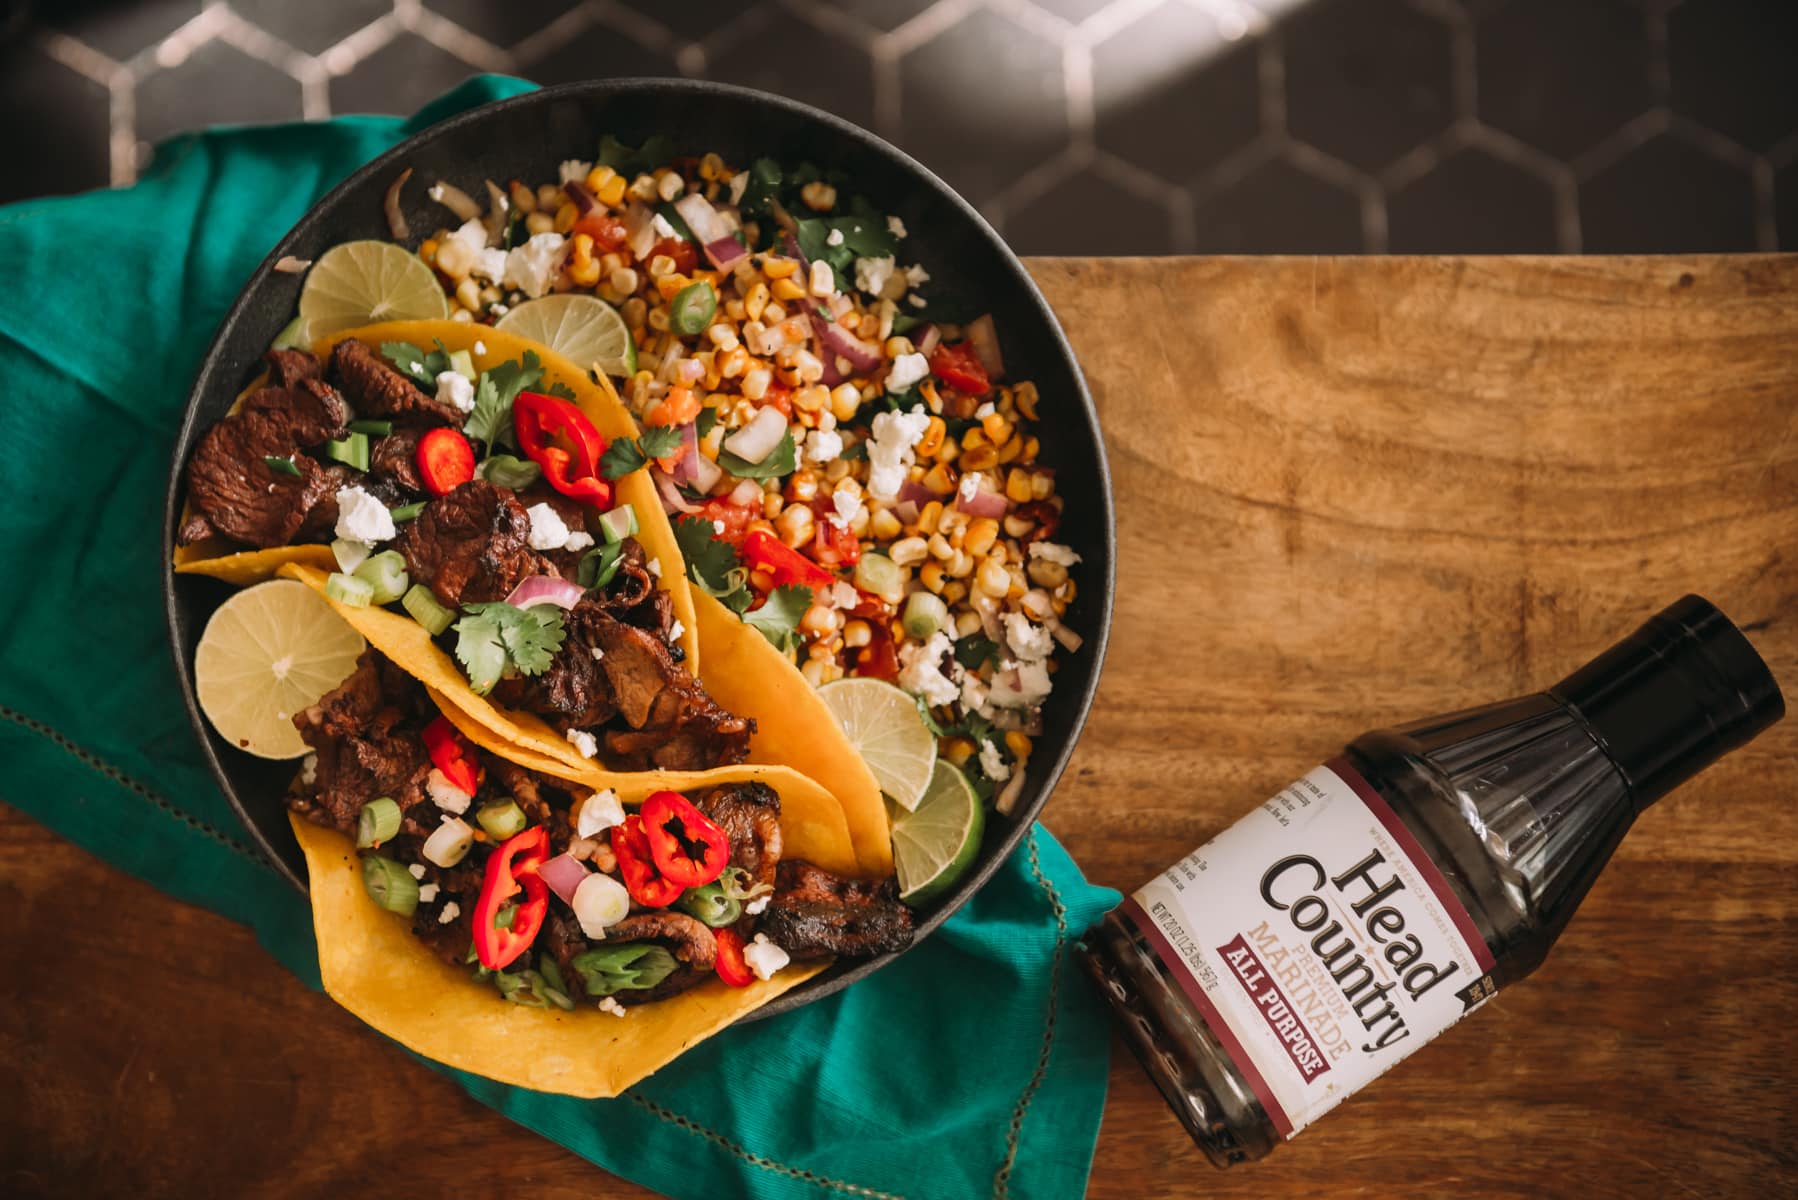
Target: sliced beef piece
[(377, 390), (394, 461), (320, 524), (571, 694), (633, 597), (674, 724), (749, 813), (471, 545), (287, 368), (527, 790), (459, 885), (687, 938), (365, 735), (233, 490), (815, 914)]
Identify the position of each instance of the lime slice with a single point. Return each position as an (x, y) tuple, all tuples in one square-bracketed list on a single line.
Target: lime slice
[(583, 329), (361, 282), (267, 653), (884, 726), (936, 843)]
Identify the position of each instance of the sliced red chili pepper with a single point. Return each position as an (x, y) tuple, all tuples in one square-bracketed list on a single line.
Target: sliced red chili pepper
[(606, 230), (452, 754), (683, 252), (630, 844), (730, 964), (765, 552), (959, 367), (557, 436), (445, 461), (513, 866), (688, 847)]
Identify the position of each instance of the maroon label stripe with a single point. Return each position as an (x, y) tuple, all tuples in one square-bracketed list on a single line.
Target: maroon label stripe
[(1208, 1011), (1420, 861)]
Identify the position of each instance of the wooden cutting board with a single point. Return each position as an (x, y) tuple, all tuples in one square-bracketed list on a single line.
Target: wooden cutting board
[(1350, 492)]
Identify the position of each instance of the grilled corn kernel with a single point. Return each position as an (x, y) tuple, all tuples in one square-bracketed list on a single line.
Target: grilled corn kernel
[(844, 402), (794, 524), (883, 525), (898, 345), (837, 471), (539, 222), (660, 265), (490, 295), (1016, 526), (967, 624), (1025, 396), (634, 311), (583, 268), (857, 633), (952, 523), (756, 382), (819, 621), (722, 336), (1042, 486), (776, 266), (1017, 486), (668, 286), (1030, 450), (772, 504), (755, 301), (992, 579), (788, 289), (1045, 573), (813, 670), (955, 591), (565, 218), (711, 167), (940, 547), (548, 196), (733, 362), (997, 429), (523, 199), (818, 196), (428, 251), (1019, 744), (958, 750), (1010, 451), (468, 294), (669, 185), (928, 516), (932, 401), (940, 479), (982, 533), (979, 458), (802, 486), (823, 283), (461, 314), (611, 192), (454, 258), (933, 438), (932, 576), (908, 551)]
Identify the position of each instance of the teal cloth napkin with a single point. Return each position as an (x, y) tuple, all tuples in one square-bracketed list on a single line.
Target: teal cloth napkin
[(973, 1066)]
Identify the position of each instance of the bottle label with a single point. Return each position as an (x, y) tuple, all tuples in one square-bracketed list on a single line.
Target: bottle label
[(1320, 943)]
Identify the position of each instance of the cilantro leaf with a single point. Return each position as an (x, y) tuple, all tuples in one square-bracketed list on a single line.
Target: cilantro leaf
[(778, 617), (560, 391), (481, 652), (491, 420), (660, 441), (863, 237), (625, 455), (534, 637), (682, 230), (656, 151), (491, 635), (703, 424), (712, 563), (423, 369), (763, 186), (509, 472), (975, 651), (780, 461), (936, 727)]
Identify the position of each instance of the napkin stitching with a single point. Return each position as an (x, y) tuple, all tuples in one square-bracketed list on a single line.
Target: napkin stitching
[(1002, 1177), (754, 1159), (117, 776)]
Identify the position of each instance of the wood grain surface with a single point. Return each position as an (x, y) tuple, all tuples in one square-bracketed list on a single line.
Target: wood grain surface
[(1350, 492)]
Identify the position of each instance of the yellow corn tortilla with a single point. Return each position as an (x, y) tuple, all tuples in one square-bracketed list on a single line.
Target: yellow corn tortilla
[(793, 728), (812, 825), (249, 566), (372, 965), (597, 401)]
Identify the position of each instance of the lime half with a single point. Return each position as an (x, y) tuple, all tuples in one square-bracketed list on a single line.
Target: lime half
[(358, 283), (884, 725), (935, 844), (269, 652), (583, 329)]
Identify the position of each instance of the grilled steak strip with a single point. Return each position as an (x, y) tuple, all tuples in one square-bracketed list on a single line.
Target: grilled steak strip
[(233, 490), (471, 545), (815, 914), (749, 814), (377, 390)]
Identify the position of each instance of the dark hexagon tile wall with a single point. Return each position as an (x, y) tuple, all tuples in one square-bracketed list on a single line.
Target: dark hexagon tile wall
[(1079, 126)]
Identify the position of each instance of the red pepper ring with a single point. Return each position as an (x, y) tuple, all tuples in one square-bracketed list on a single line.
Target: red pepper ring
[(731, 965), (445, 461), (630, 844), (557, 436), (452, 754), (513, 865), (689, 847)]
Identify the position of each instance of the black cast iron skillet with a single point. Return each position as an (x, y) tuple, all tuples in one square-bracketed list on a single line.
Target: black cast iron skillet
[(525, 138)]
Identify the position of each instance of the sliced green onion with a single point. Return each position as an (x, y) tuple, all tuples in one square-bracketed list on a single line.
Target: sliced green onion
[(372, 428), (600, 565), (710, 904), (389, 885), (549, 993), (738, 884), (449, 842), (552, 972), (462, 362), (619, 524), (348, 589), (501, 818), (925, 614), (421, 602), (505, 916), (692, 308), (880, 575), (349, 554), (293, 336), (407, 512), (281, 466), (378, 821), (629, 967), (386, 574), (351, 451), (509, 472)]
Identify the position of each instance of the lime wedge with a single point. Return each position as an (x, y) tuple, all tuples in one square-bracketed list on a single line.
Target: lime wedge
[(936, 843), (358, 283), (269, 652), (883, 724), (583, 329)]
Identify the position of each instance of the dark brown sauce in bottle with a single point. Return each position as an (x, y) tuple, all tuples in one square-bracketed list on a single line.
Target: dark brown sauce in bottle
[(1514, 807)]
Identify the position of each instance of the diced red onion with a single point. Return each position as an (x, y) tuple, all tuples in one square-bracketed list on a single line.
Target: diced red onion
[(915, 492), (700, 217), (927, 343), (725, 252), (672, 500), (746, 493), (582, 199), (985, 339), (689, 440), (455, 199), (640, 229), (757, 440), (689, 371), (1008, 795), (984, 503), (906, 511), (497, 207), (704, 471), (1069, 640), (833, 368), (545, 589), (563, 874), (287, 264), (862, 355), (396, 221)]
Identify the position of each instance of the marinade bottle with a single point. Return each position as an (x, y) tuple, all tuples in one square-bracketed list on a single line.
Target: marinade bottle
[(1273, 972)]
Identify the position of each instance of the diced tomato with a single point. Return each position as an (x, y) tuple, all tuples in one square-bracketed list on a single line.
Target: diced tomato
[(683, 252), (765, 552), (833, 545), (959, 367), (735, 519), (781, 397), (879, 659), (606, 231)]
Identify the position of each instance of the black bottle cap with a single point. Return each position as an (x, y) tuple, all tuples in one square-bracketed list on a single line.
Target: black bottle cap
[(1674, 696)]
